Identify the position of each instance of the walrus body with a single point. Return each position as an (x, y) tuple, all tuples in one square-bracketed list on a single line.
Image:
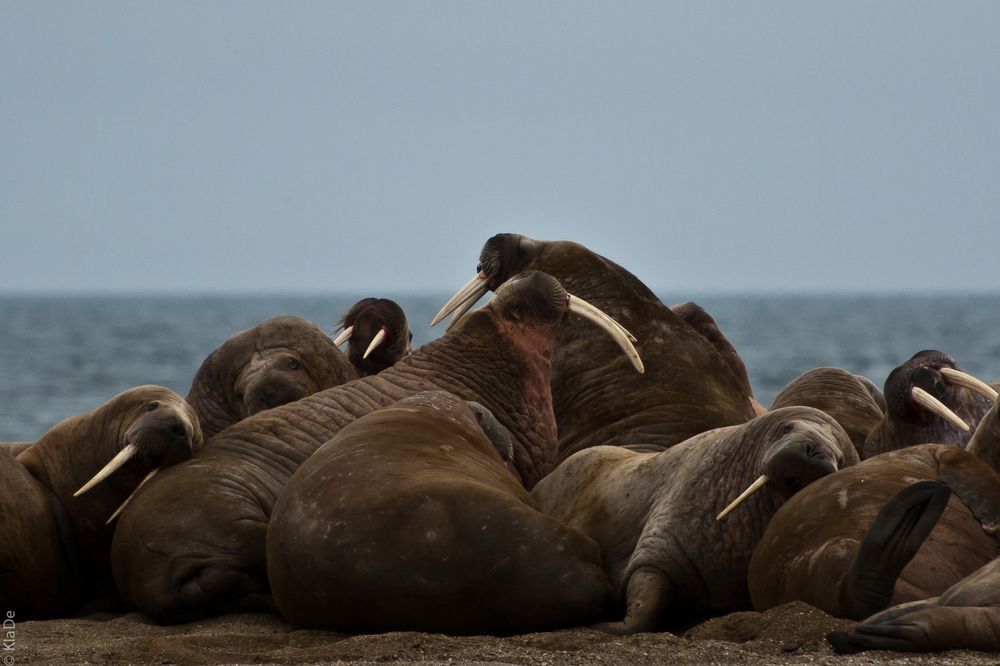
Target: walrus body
[(14, 448), (853, 401), (654, 515), (280, 360), (687, 387), (193, 542), (810, 550), (56, 542), (408, 520)]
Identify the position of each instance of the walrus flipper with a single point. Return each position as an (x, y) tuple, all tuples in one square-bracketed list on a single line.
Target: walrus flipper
[(924, 627), (891, 541), (975, 483), (647, 598)]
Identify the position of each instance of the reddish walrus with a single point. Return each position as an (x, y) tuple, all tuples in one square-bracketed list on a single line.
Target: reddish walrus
[(408, 520)]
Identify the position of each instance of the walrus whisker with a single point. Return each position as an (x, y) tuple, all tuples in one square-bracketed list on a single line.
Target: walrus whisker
[(922, 397), (584, 305), (376, 341), (344, 336), (751, 489), (123, 457), (466, 296), (959, 378), (122, 506), (613, 328)]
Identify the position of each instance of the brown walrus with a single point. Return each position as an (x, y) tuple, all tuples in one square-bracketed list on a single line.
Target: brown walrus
[(55, 519), (280, 360), (860, 540), (654, 514), (928, 401), (377, 334), (192, 541), (409, 520), (965, 617), (687, 386), (849, 399), (14, 448)]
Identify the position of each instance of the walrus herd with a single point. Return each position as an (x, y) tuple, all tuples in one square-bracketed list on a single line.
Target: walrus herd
[(574, 452)]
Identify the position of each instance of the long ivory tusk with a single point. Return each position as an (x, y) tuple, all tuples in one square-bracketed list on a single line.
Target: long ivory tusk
[(614, 329), (128, 499), (960, 378), (584, 305), (924, 398), (751, 489), (466, 296), (344, 336), (376, 341), (123, 457)]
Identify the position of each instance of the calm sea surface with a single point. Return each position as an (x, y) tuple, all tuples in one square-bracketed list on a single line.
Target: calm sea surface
[(62, 355)]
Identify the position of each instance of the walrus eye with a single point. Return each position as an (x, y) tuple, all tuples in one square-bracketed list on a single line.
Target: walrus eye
[(293, 364), (150, 406), (787, 429)]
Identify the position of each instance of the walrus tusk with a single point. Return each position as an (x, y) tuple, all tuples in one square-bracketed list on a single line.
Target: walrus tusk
[(128, 499), (123, 457), (959, 378), (376, 341), (922, 397), (614, 329), (751, 489), (464, 298), (344, 336)]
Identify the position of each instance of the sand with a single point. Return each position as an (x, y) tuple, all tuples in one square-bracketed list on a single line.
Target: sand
[(790, 634)]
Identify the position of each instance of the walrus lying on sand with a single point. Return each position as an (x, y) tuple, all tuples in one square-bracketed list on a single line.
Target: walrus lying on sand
[(654, 515), (408, 520), (54, 552), (377, 334), (280, 360)]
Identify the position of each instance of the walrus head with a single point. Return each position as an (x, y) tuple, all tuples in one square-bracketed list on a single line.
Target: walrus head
[(378, 332), (155, 427), (272, 377)]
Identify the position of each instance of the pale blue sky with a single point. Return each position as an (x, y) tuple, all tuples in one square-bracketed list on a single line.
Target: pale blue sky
[(374, 146)]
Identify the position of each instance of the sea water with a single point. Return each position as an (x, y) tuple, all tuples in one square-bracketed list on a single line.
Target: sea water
[(61, 355)]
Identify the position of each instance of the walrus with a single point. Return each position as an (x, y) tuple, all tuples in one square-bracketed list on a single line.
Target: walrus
[(860, 540), (61, 491), (966, 616), (654, 515), (14, 448), (928, 400), (377, 334), (687, 386), (280, 360), (408, 520), (846, 397), (191, 542)]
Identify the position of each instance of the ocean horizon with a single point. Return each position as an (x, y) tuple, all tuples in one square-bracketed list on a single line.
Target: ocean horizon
[(66, 352)]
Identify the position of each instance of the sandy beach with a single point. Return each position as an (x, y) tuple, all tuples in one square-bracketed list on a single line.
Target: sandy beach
[(790, 634)]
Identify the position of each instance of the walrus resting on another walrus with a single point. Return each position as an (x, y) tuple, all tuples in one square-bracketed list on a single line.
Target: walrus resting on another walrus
[(280, 360), (377, 334), (192, 541), (654, 515), (870, 536), (54, 553), (408, 520), (687, 386)]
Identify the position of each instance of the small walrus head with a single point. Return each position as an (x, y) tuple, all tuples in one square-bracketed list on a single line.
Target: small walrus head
[(272, 377), (152, 425), (378, 334)]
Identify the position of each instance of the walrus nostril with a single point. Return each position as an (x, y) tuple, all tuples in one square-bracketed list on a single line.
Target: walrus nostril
[(177, 428)]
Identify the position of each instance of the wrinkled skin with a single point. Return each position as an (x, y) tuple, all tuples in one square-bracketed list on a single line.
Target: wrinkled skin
[(280, 360), (165, 430), (985, 442), (811, 548), (654, 514), (699, 319), (965, 617), (367, 317), (846, 397), (687, 387), (906, 423), (456, 545), (191, 542), (14, 448)]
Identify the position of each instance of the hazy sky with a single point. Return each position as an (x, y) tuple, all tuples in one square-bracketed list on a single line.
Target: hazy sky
[(374, 146)]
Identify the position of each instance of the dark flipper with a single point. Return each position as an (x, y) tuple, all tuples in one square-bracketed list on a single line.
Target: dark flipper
[(647, 598), (890, 543)]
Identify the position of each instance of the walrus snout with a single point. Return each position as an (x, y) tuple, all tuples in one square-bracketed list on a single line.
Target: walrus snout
[(804, 453)]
